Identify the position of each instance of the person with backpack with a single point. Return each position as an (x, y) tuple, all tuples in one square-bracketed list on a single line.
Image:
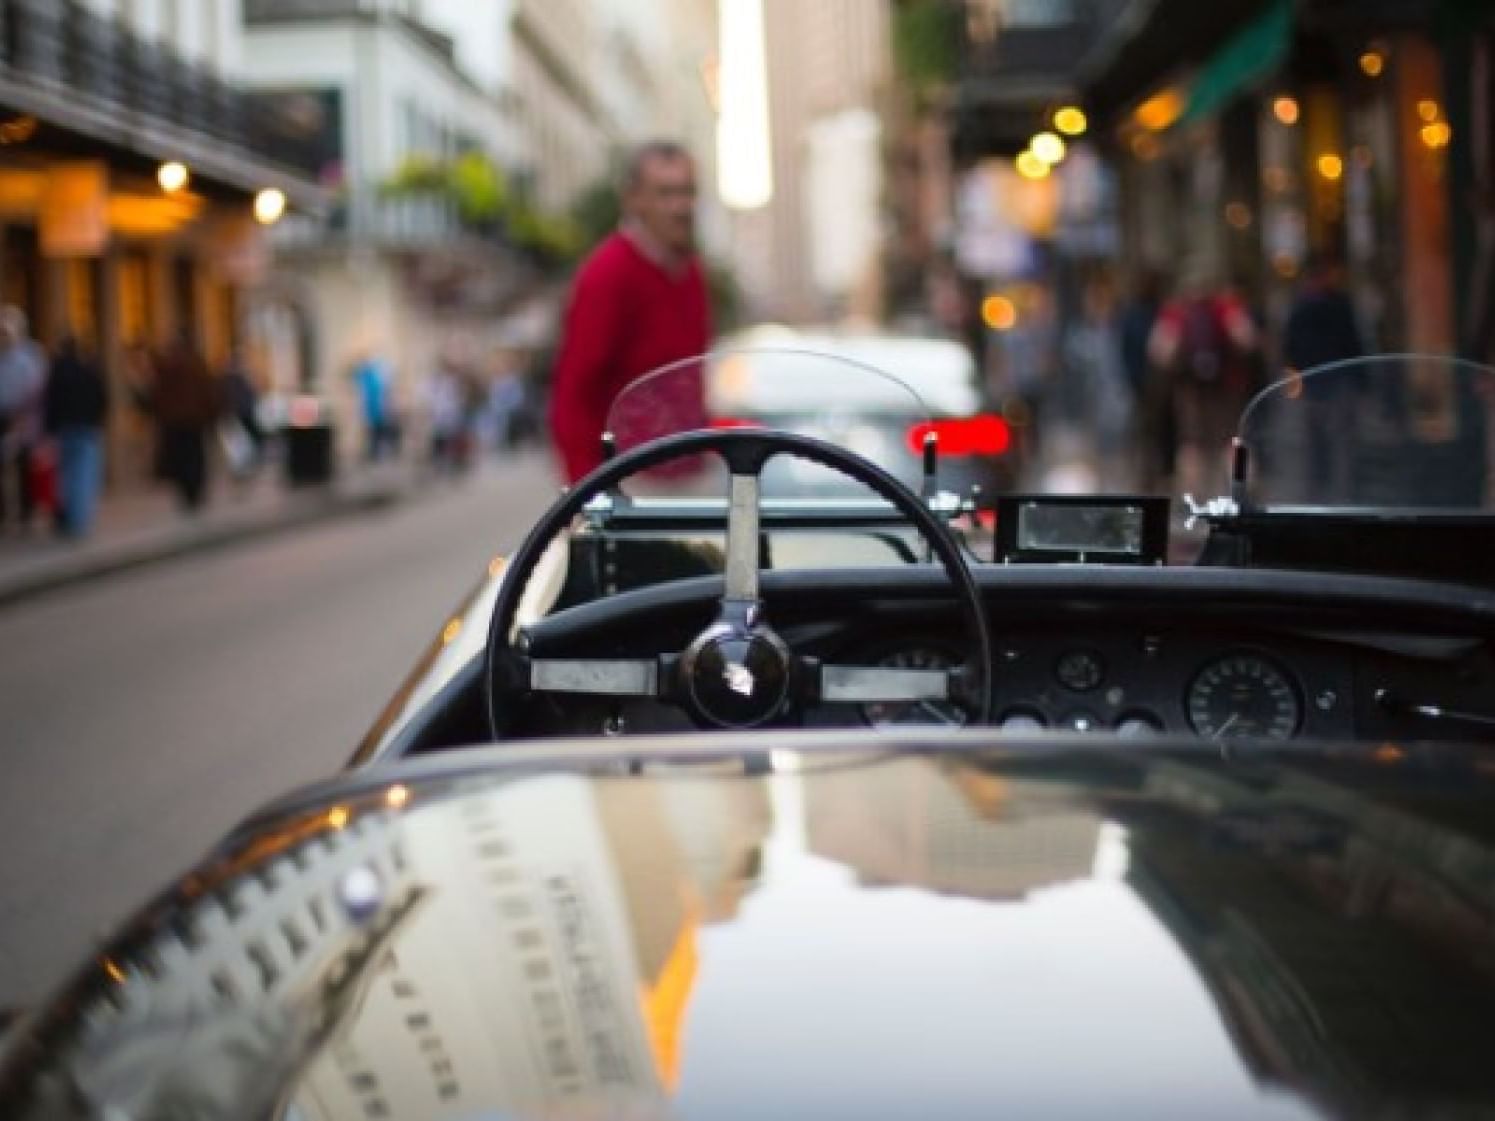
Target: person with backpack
[(1204, 343)]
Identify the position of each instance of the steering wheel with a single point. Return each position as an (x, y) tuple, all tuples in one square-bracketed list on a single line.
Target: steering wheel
[(738, 673)]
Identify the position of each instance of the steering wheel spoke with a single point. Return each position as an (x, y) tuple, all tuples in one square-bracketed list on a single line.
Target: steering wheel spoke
[(602, 677), (742, 541)]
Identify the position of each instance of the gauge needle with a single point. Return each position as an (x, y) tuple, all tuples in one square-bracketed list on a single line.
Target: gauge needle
[(1220, 732)]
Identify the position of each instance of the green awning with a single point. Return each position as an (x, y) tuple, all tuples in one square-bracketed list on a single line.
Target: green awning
[(1257, 51)]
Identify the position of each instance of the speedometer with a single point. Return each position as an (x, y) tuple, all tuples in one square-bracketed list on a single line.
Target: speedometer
[(926, 713), (1244, 696)]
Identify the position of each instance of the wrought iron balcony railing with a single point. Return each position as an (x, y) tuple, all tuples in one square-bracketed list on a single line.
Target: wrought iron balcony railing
[(62, 48)]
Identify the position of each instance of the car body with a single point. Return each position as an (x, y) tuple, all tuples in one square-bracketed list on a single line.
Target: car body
[(941, 926)]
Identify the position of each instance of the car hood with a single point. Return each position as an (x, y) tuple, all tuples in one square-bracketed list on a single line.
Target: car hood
[(925, 932)]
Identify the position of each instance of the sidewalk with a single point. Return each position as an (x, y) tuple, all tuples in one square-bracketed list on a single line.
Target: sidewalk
[(147, 526)]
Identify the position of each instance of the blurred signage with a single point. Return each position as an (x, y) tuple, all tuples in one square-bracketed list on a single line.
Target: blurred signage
[(74, 218)]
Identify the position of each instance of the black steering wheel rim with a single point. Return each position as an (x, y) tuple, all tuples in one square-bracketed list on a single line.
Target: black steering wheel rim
[(744, 450)]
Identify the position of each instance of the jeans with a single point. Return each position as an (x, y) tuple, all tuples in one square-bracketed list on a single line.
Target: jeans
[(80, 474)]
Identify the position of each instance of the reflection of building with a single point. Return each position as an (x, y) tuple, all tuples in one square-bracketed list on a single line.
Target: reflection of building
[(908, 823), (573, 909), (280, 937), (1331, 966), (94, 98)]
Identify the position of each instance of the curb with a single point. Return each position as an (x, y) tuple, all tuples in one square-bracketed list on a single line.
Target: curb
[(57, 571)]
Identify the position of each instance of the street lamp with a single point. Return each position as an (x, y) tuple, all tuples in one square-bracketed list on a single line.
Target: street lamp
[(173, 177), (1071, 121), (1030, 166), (1047, 147), (269, 206)]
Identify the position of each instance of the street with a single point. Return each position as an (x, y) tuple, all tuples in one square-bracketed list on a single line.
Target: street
[(144, 714)]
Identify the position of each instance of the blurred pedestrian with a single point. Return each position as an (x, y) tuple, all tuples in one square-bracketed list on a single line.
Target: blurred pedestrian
[(1094, 355), (22, 377), (446, 415), (1154, 430), (187, 403), (244, 436), (638, 302), (372, 380), (1321, 330), (77, 404), (1205, 344)]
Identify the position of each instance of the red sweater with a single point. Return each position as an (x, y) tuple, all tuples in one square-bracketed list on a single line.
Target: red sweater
[(627, 316)]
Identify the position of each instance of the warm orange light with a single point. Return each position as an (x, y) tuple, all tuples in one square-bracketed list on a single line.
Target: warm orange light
[(999, 313), (1286, 265), (1238, 215), (116, 974), (337, 817), (1372, 63), (450, 632), (1437, 135), (1160, 110), (1428, 110), (1030, 166), (1330, 166), (173, 177), (496, 565), (17, 130), (396, 796), (1389, 753), (1286, 110), (1071, 121)]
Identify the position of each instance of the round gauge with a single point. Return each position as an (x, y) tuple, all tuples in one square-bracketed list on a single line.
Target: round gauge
[(1080, 671), (1244, 696), (885, 714)]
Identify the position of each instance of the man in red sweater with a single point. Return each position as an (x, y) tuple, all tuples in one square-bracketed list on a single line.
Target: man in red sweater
[(638, 302)]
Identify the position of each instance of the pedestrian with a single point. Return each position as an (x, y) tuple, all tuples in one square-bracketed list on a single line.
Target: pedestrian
[(22, 380), (446, 416), (187, 403), (1204, 344), (76, 406), (639, 302), (1321, 330), (1094, 356), (372, 380), (244, 435)]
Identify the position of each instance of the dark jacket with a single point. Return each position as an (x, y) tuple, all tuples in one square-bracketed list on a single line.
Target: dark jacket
[(77, 395)]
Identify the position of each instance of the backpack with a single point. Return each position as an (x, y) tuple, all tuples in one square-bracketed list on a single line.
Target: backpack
[(1204, 345)]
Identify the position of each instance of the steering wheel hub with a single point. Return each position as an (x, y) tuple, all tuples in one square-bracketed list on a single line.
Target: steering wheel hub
[(737, 678)]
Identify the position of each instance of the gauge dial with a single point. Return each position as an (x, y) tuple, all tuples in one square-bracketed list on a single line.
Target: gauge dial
[(1244, 696), (1080, 670), (944, 714)]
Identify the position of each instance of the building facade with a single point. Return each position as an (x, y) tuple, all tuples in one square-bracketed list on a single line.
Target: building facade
[(97, 238)]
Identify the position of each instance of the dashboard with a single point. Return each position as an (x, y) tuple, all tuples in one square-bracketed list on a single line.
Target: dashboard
[(1216, 653)]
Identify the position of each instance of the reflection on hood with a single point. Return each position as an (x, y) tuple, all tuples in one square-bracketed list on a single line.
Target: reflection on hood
[(1156, 934)]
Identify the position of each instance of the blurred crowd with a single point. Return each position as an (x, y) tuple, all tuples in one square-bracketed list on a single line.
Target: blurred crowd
[(1152, 379)]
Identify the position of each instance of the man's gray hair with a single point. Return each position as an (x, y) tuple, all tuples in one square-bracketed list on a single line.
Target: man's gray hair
[(633, 165)]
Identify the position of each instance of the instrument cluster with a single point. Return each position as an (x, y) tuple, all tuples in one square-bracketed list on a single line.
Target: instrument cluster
[(1218, 686)]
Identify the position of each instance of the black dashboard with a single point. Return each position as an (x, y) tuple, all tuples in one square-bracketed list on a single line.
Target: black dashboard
[(1219, 653)]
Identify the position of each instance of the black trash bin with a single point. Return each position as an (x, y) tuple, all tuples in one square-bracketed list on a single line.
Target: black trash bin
[(309, 444)]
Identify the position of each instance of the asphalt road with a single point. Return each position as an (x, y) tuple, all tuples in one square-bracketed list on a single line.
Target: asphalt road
[(143, 714)]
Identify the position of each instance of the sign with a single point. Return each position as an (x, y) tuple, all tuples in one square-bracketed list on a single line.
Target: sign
[(74, 218)]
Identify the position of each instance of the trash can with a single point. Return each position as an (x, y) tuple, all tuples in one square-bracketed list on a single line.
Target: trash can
[(309, 443)]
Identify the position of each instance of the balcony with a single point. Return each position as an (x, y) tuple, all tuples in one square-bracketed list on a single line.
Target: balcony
[(94, 78)]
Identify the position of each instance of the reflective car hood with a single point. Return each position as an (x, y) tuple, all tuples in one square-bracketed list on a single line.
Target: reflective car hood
[(1073, 934)]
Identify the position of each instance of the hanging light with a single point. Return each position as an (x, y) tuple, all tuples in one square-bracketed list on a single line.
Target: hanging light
[(1071, 121), (1048, 147), (269, 206), (1286, 110), (1029, 166), (173, 177)]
